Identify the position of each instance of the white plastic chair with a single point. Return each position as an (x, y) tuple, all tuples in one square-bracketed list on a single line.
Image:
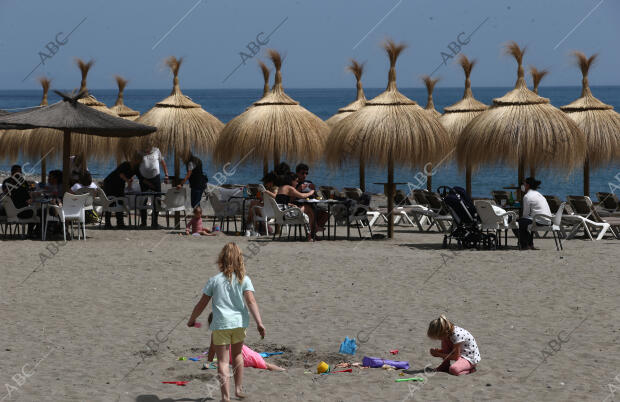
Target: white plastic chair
[(287, 216), (554, 227), (72, 210), (12, 217), (264, 214), (223, 207), (111, 204), (173, 201), (491, 220)]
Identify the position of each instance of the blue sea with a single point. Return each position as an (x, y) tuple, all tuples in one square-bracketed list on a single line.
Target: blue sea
[(226, 104)]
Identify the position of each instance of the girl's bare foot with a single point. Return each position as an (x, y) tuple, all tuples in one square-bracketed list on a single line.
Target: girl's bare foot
[(240, 394)]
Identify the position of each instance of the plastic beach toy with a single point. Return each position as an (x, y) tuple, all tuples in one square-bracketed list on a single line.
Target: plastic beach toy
[(179, 383), (182, 358), (195, 359), (267, 354), (348, 346), (409, 379), (394, 351), (322, 368), (197, 325), (376, 362)]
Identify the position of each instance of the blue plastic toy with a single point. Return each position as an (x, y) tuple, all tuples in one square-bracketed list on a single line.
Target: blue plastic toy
[(267, 354), (348, 346)]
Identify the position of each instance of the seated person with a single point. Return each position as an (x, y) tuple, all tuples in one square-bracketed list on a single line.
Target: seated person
[(114, 185), (304, 185), (85, 181), (287, 194), (16, 187), (534, 203), (269, 181)]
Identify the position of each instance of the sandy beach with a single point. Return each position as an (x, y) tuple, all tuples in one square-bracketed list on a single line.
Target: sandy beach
[(105, 319)]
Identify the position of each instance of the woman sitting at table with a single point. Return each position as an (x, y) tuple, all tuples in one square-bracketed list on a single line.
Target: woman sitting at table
[(534, 204), (287, 194), (114, 184), (85, 181), (271, 190)]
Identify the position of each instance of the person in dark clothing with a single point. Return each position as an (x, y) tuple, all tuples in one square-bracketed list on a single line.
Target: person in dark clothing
[(16, 187), (304, 185), (114, 184), (196, 177)]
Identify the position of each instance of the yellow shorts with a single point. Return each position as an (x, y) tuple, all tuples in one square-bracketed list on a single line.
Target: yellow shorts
[(228, 336)]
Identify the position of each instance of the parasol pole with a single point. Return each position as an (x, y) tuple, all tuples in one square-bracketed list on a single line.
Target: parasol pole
[(66, 154), (390, 196), (521, 178), (586, 178), (177, 180), (265, 166), (362, 176), (43, 169), (468, 180)]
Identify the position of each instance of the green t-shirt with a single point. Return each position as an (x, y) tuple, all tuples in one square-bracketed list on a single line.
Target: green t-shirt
[(229, 309)]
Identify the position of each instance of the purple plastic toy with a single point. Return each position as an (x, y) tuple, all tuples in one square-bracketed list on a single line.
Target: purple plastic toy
[(375, 362)]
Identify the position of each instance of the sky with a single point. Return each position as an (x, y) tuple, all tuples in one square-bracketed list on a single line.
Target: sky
[(133, 37)]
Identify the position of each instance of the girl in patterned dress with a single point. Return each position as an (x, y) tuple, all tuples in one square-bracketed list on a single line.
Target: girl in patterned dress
[(456, 344)]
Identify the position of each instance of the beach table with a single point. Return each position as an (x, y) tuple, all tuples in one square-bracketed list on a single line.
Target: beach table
[(147, 194), (244, 200), (311, 201), (44, 201)]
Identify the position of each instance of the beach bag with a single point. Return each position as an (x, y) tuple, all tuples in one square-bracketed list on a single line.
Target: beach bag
[(375, 362)]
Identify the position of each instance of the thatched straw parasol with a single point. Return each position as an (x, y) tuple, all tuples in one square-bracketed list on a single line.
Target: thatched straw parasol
[(599, 122), (518, 128), (12, 142), (459, 115), (275, 126), (390, 129), (537, 76), (42, 141), (121, 146), (265, 70), (430, 86), (357, 69), (182, 125), (69, 115), (119, 107)]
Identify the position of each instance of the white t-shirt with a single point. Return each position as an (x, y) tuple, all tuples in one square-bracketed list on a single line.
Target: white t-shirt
[(533, 204), (469, 348), (149, 167), (78, 186)]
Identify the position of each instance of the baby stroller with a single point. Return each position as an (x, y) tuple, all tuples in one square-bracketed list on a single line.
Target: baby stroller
[(465, 227)]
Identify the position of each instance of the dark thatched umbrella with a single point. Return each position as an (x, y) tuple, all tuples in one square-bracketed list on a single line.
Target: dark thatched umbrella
[(599, 122), (275, 126), (518, 128), (70, 116), (456, 117), (390, 129), (360, 100)]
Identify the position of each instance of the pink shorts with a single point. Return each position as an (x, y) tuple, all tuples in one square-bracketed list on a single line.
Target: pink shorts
[(252, 359)]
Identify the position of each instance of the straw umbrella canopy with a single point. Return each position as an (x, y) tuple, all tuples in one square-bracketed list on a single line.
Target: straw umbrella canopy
[(45, 141), (69, 115), (390, 129), (517, 127), (537, 76), (119, 107), (12, 142), (357, 69), (430, 87), (182, 125), (599, 122), (275, 126), (122, 147), (457, 116)]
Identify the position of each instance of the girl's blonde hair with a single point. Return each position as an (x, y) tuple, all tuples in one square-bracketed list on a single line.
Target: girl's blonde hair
[(440, 328), (231, 260), (198, 209)]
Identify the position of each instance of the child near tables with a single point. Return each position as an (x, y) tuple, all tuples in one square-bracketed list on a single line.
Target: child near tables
[(195, 224)]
